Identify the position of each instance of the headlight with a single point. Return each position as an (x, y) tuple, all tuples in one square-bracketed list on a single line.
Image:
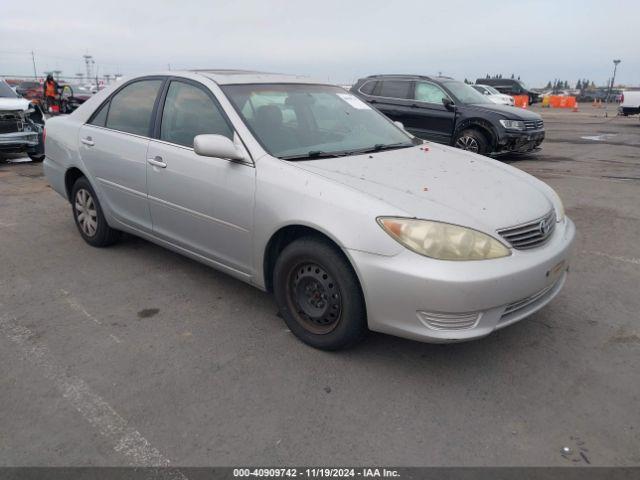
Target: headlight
[(443, 241), (512, 124), (559, 206)]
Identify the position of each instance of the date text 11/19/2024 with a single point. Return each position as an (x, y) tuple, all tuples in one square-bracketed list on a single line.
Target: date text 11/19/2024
[(315, 472)]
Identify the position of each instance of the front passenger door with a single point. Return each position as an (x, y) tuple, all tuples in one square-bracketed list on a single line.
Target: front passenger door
[(429, 118), (199, 203)]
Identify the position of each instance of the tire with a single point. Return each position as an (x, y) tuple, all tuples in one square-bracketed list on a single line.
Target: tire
[(319, 295), (36, 157), (472, 140), (85, 205)]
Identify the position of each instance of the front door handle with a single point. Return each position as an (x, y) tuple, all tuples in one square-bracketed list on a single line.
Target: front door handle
[(157, 162), (88, 141)]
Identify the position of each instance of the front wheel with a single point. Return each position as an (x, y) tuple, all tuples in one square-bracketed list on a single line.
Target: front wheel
[(319, 295), (88, 216), (472, 140)]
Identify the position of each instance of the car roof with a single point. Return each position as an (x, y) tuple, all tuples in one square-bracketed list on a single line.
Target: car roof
[(229, 77)]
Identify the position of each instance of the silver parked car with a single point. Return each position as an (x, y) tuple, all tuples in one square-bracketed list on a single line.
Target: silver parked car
[(300, 188)]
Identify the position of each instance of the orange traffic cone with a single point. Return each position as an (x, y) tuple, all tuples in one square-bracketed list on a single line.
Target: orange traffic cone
[(575, 107)]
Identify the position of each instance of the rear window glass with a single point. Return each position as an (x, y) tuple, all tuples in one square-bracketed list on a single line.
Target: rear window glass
[(131, 107), (394, 89)]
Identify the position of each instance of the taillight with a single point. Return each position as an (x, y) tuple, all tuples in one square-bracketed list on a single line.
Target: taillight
[(622, 98)]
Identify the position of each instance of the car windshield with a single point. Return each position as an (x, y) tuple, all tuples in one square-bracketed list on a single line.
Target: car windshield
[(465, 93), (6, 91), (299, 121)]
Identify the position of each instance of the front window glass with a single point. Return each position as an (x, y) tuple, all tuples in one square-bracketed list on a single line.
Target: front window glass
[(466, 94), (429, 93), (188, 112), (307, 121)]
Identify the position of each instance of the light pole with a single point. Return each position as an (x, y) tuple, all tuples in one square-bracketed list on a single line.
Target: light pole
[(613, 79)]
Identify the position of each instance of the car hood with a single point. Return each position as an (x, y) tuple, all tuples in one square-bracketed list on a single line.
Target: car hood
[(440, 183), (13, 104), (507, 112)]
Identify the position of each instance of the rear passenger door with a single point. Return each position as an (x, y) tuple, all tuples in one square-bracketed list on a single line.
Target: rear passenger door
[(113, 147), (393, 98), (202, 204)]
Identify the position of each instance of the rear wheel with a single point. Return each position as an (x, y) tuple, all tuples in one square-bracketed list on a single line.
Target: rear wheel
[(319, 295), (472, 140), (88, 216)]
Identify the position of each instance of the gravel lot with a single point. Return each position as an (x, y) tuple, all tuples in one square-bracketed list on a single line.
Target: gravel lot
[(134, 355)]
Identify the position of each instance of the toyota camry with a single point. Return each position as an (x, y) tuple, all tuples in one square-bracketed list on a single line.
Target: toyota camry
[(302, 189)]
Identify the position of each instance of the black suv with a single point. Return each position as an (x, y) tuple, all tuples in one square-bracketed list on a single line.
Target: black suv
[(447, 111), (510, 86)]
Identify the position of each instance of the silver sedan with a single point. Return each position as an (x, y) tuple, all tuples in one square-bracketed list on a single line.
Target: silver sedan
[(300, 188)]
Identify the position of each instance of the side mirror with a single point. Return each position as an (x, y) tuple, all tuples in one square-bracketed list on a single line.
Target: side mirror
[(400, 125), (217, 146), (448, 104)]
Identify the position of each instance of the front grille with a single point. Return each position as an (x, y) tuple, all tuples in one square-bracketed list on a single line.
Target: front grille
[(10, 126), (11, 122), (530, 234), (533, 124)]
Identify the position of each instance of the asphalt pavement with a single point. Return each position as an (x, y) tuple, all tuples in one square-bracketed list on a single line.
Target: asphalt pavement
[(134, 355)]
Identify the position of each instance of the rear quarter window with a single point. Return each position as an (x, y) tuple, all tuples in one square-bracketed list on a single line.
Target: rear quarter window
[(368, 87), (100, 117)]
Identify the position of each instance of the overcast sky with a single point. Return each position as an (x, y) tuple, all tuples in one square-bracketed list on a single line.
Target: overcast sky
[(338, 40)]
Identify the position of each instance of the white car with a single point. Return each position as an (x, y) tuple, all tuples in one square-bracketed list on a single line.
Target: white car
[(21, 124), (494, 95), (630, 103)]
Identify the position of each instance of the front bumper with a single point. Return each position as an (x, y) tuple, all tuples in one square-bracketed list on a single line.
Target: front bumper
[(435, 301), (18, 140), (520, 142)]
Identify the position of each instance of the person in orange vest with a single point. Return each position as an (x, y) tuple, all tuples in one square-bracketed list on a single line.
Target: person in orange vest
[(50, 90)]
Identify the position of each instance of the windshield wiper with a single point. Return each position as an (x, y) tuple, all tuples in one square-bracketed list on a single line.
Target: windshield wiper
[(378, 147), (313, 155)]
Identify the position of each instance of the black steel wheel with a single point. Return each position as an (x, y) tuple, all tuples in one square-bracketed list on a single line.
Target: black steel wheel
[(315, 298), (319, 295)]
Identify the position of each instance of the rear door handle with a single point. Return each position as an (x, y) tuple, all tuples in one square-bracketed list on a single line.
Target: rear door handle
[(157, 162), (88, 141)]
